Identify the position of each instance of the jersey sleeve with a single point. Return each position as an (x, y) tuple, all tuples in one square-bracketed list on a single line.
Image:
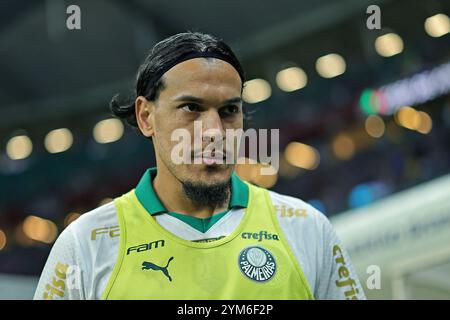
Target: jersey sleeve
[(62, 277), (337, 278)]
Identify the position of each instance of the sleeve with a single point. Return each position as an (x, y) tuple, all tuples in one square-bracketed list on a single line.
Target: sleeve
[(337, 278), (61, 278)]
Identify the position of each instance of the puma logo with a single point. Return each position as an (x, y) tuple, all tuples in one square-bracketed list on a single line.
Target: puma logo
[(151, 266)]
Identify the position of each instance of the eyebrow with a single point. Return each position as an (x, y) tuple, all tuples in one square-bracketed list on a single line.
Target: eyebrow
[(190, 98)]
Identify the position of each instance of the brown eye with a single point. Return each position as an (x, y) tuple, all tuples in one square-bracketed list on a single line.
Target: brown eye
[(229, 110)]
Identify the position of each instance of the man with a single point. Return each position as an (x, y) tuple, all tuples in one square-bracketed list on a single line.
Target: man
[(195, 230)]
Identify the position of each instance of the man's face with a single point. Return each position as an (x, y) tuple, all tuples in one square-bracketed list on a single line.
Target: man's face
[(205, 90)]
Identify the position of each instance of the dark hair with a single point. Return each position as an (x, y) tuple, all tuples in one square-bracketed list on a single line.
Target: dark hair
[(164, 55)]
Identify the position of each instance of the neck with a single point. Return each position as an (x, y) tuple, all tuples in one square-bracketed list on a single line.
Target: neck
[(170, 192)]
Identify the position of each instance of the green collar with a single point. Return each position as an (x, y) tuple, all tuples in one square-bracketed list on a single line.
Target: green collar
[(150, 201)]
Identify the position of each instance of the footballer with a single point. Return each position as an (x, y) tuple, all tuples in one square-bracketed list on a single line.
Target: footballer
[(195, 230)]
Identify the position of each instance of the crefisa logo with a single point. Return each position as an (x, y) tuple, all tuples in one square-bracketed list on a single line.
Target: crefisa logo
[(257, 263)]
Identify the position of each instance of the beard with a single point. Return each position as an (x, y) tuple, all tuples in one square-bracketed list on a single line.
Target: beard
[(204, 195)]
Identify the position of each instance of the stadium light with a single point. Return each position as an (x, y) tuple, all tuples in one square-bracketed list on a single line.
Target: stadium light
[(107, 131), (58, 140), (406, 117), (330, 65), (40, 229), (424, 124), (302, 156), (343, 146), (374, 126), (256, 90), (19, 147), (291, 79), (389, 45), (412, 119), (437, 25)]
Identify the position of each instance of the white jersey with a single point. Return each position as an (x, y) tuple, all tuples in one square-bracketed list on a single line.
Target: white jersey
[(89, 247)]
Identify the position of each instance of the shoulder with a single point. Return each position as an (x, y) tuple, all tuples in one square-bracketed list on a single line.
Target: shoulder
[(94, 224), (96, 235), (302, 223), (88, 248), (296, 213), (308, 233)]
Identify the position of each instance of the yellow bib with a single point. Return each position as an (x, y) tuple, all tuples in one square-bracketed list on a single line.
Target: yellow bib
[(253, 262)]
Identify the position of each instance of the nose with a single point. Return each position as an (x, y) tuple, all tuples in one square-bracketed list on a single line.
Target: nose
[(212, 125)]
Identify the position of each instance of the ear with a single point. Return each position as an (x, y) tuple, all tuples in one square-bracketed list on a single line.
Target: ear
[(144, 110)]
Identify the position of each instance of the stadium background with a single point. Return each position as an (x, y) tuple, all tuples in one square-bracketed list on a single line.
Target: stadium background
[(364, 119)]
